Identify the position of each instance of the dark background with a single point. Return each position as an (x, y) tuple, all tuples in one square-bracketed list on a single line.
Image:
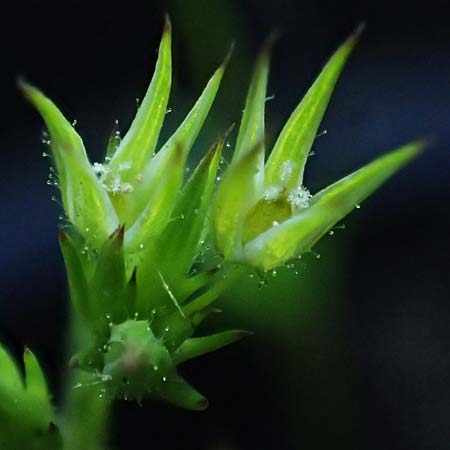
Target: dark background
[(354, 352)]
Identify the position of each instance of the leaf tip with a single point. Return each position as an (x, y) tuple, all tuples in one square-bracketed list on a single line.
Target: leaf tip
[(358, 31), (203, 404), (167, 23), (269, 43), (228, 56)]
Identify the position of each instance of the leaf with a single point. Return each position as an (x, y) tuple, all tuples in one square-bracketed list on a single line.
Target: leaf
[(181, 141), (177, 391), (194, 347), (35, 383), (223, 282), (234, 197), (251, 131), (9, 373), (140, 141), (286, 163), (298, 234), (85, 201), (154, 217), (182, 236), (76, 277), (110, 272)]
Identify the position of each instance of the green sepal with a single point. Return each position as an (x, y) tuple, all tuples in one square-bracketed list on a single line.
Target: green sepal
[(235, 194), (85, 201), (287, 160), (76, 276), (223, 280), (182, 236), (194, 347), (298, 234), (251, 131), (182, 140), (108, 281), (140, 141), (263, 215), (178, 392), (158, 210)]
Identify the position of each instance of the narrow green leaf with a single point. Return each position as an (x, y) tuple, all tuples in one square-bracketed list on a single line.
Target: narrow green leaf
[(194, 347), (178, 392), (9, 373), (86, 202), (204, 300), (286, 163), (234, 197), (158, 210), (183, 139), (76, 277), (110, 271), (182, 237), (303, 230), (35, 383), (251, 131), (140, 141)]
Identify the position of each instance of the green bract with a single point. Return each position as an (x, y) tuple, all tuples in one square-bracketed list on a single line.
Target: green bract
[(136, 230)]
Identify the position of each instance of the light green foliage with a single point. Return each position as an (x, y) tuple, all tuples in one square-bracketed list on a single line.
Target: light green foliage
[(137, 232), (263, 216), (27, 420)]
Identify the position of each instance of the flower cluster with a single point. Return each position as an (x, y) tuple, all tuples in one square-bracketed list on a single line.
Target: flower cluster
[(135, 229)]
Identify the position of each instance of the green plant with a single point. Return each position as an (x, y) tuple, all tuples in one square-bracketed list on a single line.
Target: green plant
[(147, 254)]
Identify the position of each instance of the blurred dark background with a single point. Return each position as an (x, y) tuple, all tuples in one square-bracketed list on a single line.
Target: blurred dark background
[(354, 351)]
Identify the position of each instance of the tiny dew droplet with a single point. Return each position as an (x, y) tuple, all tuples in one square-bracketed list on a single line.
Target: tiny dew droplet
[(331, 232), (357, 206), (141, 246)]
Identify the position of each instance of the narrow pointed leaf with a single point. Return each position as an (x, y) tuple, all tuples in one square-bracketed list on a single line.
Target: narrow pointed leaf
[(212, 294), (303, 230), (9, 373), (76, 277), (140, 141), (85, 201), (286, 163), (251, 131), (194, 347), (110, 271), (182, 238), (183, 138), (158, 210), (34, 378), (234, 197), (177, 391)]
